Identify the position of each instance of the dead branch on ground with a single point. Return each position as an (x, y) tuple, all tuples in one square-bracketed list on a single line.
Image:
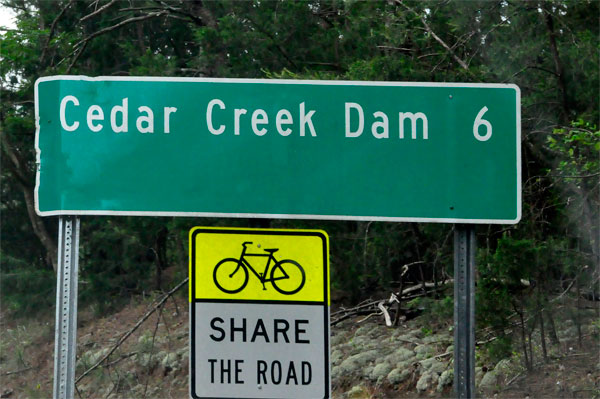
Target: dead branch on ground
[(124, 337), (371, 307)]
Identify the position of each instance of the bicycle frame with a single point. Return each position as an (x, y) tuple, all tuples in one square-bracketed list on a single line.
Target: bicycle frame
[(262, 277)]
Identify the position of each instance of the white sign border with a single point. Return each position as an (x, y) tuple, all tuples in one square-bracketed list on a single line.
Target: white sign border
[(278, 215)]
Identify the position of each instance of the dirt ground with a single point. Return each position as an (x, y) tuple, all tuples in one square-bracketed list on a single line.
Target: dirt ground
[(152, 362), (576, 375)]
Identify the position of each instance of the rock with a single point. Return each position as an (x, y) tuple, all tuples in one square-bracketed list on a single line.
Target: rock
[(90, 358), (147, 360), (406, 364), (424, 351), (446, 379), (362, 342), (410, 337), (379, 331), (366, 372), (358, 391), (338, 339), (570, 332), (138, 390), (489, 382), (427, 380), (398, 375), (358, 361), (437, 338), (401, 354), (336, 356), (336, 372), (170, 361), (433, 365), (184, 352), (364, 330), (380, 371), (503, 367), (478, 375)]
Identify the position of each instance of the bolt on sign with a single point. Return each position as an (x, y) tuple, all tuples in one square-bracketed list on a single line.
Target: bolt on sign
[(393, 151), (259, 309)]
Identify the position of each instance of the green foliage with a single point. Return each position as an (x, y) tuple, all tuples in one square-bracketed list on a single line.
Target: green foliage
[(436, 312), (499, 349), (28, 291), (578, 149), (381, 68), (426, 331), (352, 40)]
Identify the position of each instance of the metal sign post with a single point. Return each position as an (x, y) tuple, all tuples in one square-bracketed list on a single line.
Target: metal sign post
[(464, 310), (65, 341)]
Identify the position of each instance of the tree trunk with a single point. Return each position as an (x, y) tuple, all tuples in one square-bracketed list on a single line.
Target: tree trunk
[(577, 310), (418, 240), (160, 252), (558, 67), (16, 166), (40, 229), (542, 333), (529, 336), (523, 338), (552, 333)]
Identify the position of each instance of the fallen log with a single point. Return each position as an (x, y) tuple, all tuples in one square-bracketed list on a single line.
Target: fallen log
[(374, 307)]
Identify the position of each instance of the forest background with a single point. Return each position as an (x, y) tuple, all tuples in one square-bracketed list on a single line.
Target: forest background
[(548, 48)]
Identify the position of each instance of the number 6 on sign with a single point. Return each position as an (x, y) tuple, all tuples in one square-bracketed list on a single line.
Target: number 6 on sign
[(478, 122)]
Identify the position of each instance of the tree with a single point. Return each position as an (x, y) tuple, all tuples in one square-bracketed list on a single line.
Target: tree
[(547, 48)]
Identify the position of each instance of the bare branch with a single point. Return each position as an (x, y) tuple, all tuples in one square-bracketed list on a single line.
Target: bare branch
[(119, 25), (277, 45), (395, 48), (135, 327), (52, 28), (386, 314), (17, 371), (83, 42), (81, 50), (171, 9), (98, 11), (436, 37)]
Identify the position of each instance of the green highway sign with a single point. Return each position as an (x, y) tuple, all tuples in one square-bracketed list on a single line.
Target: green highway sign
[(421, 152)]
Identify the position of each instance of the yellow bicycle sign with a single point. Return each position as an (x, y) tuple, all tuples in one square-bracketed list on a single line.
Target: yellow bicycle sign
[(286, 276), (259, 313), (259, 264)]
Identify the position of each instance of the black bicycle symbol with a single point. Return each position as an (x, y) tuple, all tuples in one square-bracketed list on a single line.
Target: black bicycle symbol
[(231, 275)]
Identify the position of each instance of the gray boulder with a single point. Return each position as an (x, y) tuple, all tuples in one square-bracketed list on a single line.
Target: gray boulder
[(398, 375), (489, 381), (380, 371), (446, 379), (427, 380)]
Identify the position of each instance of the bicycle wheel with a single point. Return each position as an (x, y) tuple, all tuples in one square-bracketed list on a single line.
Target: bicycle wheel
[(287, 277), (230, 275)]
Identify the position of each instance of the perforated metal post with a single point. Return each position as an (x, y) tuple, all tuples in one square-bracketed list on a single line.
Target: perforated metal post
[(464, 311), (65, 338)]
